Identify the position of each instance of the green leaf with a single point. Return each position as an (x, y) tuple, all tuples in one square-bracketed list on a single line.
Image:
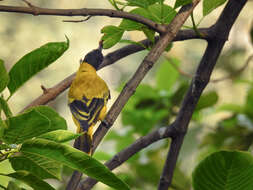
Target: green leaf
[(74, 159), (2, 128), (112, 35), (43, 168), (130, 25), (168, 48), (34, 122), (150, 34), (228, 170), (167, 75), (30, 180), (180, 3), (141, 3), (249, 102), (60, 136), (207, 100), (162, 14), (210, 5), (234, 108), (178, 95), (4, 146), (132, 42), (99, 155), (13, 186), (4, 77), (4, 106), (34, 62)]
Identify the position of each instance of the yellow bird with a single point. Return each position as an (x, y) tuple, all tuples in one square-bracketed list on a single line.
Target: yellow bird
[(88, 96)]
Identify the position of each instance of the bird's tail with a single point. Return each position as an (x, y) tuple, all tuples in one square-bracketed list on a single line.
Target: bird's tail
[(86, 143)]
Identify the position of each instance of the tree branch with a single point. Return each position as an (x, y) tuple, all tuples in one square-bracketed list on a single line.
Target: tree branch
[(220, 31), (109, 59), (128, 152), (145, 66), (84, 12)]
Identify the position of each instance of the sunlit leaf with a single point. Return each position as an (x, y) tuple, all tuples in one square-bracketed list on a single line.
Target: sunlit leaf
[(162, 14), (30, 180), (210, 5), (37, 165), (130, 25), (60, 136), (34, 62), (74, 159), (32, 123), (112, 35), (180, 3)]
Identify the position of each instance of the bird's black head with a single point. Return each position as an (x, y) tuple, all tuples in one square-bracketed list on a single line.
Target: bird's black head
[(94, 58)]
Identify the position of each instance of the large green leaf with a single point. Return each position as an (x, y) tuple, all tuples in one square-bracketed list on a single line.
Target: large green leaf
[(210, 5), (4, 77), (34, 62), (60, 136), (37, 165), (224, 170), (112, 35), (32, 123), (74, 159), (30, 180), (167, 75)]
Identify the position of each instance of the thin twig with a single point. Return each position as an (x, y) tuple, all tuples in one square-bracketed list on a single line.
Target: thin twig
[(28, 3), (77, 21), (230, 76), (236, 73), (181, 72), (84, 12)]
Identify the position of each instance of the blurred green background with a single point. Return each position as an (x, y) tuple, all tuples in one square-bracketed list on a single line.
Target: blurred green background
[(223, 119)]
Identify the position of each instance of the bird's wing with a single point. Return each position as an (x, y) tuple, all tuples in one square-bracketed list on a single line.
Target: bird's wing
[(86, 111)]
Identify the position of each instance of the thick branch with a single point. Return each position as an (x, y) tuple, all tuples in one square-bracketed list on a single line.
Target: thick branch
[(109, 59), (221, 31), (84, 12), (129, 151)]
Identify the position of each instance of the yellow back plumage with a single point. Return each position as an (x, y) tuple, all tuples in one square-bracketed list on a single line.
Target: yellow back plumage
[(87, 83)]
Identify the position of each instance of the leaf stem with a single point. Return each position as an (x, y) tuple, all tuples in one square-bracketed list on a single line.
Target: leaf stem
[(194, 25)]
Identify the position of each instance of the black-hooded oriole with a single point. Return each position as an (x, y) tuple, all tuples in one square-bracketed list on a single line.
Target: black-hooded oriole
[(88, 96)]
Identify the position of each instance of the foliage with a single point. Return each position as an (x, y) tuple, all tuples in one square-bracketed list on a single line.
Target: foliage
[(32, 141), (224, 170), (155, 10)]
